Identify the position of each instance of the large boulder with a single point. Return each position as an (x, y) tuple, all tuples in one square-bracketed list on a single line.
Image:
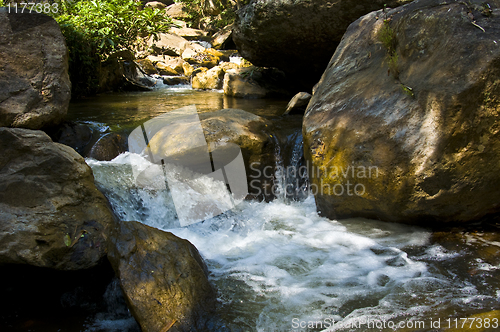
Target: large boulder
[(252, 133), (51, 213), (404, 124), (287, 34), (34, 87), (163, 278)]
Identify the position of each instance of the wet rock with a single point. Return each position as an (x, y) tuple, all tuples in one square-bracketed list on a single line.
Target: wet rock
[(74, 135), (239, 86), (163, 277), (175, 80), (147, 66), (286, 34), (255, 82), (211, 79), (51, 213), (298, 103), (108, 147), (252, 133), (34, 89), (116, 74), (407, 111)]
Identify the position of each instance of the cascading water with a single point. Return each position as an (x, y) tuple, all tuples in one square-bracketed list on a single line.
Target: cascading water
[(279, 263), (279, 266)]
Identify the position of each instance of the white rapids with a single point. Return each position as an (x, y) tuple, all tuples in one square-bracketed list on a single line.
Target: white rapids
[(280, 267)]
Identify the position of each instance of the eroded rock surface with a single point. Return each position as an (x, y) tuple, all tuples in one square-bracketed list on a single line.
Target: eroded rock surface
[(34, 84), (412, 121), (164, 279), (51, 213)]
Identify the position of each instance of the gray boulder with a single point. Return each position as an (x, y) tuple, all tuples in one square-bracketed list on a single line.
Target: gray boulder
[(34, 84), (297, 36), (404, 124), (163, 278), (51, 213)]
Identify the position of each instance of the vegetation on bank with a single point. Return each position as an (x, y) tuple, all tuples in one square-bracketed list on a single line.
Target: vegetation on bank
[(95, 29), (212, 13)]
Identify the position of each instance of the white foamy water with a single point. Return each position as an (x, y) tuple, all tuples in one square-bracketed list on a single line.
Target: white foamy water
[(279, 264)]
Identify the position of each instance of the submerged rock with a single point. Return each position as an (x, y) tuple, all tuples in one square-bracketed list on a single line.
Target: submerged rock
[(51, 213), (288, 33), (74, 135), (164, 279), (403, 125), (108, 147), (34, 87)]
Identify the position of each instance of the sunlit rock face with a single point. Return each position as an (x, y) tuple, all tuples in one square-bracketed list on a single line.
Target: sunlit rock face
[(407, 129)]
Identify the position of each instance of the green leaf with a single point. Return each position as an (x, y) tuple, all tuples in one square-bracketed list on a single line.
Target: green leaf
[(67, 240)]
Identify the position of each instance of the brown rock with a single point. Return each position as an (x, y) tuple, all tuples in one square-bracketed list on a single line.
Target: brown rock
[(108, 147), (168, 44), (34, 87), (163, 277), (288, 33), (177, 10), (147, 66), (51, 213), (211, 79), (237, 85), (250, 132), (298, 103), (409, 98), (189, 33)]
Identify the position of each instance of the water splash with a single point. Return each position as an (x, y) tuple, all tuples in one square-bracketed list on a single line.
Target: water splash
[(278, 263)]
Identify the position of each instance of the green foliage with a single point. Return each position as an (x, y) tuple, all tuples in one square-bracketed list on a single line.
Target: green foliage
[(392, 62), (409, 91), (219, 13), (97, 28), (387, 37)]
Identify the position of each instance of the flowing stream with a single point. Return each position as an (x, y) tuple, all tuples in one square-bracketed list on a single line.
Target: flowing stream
[(279, 266)]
